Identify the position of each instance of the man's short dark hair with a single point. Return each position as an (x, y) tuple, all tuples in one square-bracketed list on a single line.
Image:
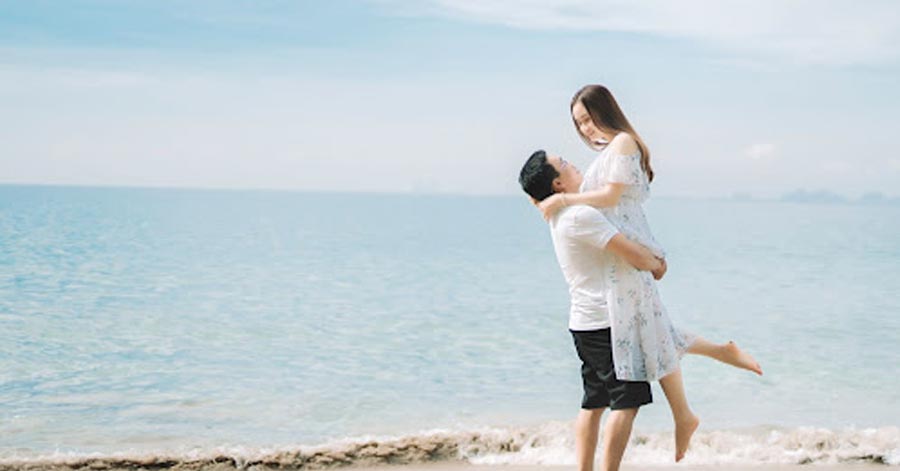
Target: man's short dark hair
[(537, 176)]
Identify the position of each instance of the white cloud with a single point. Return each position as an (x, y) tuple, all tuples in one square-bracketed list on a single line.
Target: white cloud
[(837, 167), (761, 151), (836, 32)]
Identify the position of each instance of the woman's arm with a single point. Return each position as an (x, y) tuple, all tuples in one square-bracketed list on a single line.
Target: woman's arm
[(606, 197)]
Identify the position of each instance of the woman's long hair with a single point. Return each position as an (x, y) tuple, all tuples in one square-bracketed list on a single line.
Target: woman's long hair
[(608, 117)]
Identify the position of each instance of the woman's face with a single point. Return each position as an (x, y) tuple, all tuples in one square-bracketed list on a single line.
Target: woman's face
[(585, 124)]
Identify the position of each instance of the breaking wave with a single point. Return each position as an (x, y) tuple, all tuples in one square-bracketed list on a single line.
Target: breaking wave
[(548, 444)]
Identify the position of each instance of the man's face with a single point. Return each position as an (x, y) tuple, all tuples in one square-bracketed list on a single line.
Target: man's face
[(569, 178)]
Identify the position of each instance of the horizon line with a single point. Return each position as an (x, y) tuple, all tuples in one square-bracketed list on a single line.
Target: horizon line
[(735, 196)]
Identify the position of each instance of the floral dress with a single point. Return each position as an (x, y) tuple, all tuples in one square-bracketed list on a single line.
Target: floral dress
[(646, 345)]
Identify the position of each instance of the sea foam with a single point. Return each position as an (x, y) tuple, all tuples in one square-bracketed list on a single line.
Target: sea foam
[(547, 444)]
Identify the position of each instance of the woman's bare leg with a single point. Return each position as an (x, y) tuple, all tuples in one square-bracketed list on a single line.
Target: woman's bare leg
[(685, 420), (726, 353)]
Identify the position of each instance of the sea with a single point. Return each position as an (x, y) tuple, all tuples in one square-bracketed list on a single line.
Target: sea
[(190, 324)]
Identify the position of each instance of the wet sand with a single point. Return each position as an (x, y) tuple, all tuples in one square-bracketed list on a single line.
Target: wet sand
[(205, 465), (679, 467)]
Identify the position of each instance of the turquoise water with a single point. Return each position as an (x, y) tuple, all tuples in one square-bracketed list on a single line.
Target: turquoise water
[(139, 319)]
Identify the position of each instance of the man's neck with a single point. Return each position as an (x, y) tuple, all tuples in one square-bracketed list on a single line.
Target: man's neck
[(575, 188)]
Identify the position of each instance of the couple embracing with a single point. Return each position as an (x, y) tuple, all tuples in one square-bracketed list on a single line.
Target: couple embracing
[(611, 262)]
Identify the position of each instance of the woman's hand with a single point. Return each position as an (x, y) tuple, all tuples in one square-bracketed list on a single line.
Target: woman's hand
[(661, 271), (551, 205)]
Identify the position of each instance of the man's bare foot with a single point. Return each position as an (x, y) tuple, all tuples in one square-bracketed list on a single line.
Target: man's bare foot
[(684, 430), (734, 356)]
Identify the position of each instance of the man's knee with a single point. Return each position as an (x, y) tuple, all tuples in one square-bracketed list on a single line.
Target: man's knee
[(590, 416), (624, 414)]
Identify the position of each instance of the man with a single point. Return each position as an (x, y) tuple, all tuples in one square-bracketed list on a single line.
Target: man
[(585, 241)]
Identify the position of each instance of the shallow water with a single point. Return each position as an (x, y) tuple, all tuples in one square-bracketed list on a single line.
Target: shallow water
[(138, 319)]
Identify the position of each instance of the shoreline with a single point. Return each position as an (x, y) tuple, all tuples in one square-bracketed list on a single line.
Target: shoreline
[(438, 466), (625, 467), (546, 448)]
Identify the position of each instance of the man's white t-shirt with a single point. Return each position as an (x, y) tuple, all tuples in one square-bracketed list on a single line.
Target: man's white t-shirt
[(580, 235)]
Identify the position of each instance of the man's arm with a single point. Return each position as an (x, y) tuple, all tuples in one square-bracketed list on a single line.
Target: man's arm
[(590, 226), (636, 255)]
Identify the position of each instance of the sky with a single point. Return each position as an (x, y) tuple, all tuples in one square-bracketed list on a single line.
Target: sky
[(446, 96)]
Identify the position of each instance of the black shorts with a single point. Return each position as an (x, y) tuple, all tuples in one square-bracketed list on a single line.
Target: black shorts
[(601, 388)]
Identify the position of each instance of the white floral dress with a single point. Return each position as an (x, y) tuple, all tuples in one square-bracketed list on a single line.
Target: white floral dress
[(646, 345)]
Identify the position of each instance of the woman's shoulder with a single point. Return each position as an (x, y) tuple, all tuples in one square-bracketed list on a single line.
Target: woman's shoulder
[(623, 143)]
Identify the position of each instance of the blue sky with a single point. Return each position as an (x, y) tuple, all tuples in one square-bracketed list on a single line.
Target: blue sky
[(447, 95)]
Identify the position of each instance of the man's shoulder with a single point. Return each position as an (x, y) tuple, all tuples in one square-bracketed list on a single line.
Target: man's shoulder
[(584, 214)]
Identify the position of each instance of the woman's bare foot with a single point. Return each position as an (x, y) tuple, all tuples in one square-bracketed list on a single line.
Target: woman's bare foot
[(734, 356), (684, 430)]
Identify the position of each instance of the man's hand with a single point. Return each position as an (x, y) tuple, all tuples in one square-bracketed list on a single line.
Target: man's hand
[(659, 272)]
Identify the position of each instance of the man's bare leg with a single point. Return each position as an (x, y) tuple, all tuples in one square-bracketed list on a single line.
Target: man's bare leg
[(616, 434), (728, 353), (686, 422), (587, 430)]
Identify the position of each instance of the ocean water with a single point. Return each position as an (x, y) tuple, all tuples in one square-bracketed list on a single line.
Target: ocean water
[(185, 322)]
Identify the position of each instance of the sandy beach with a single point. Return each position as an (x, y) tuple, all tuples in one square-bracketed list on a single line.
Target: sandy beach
[(470, 467), (510, 450), (445, 466)]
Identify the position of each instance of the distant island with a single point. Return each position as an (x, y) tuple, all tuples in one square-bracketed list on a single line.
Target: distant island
[(827, 197)]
